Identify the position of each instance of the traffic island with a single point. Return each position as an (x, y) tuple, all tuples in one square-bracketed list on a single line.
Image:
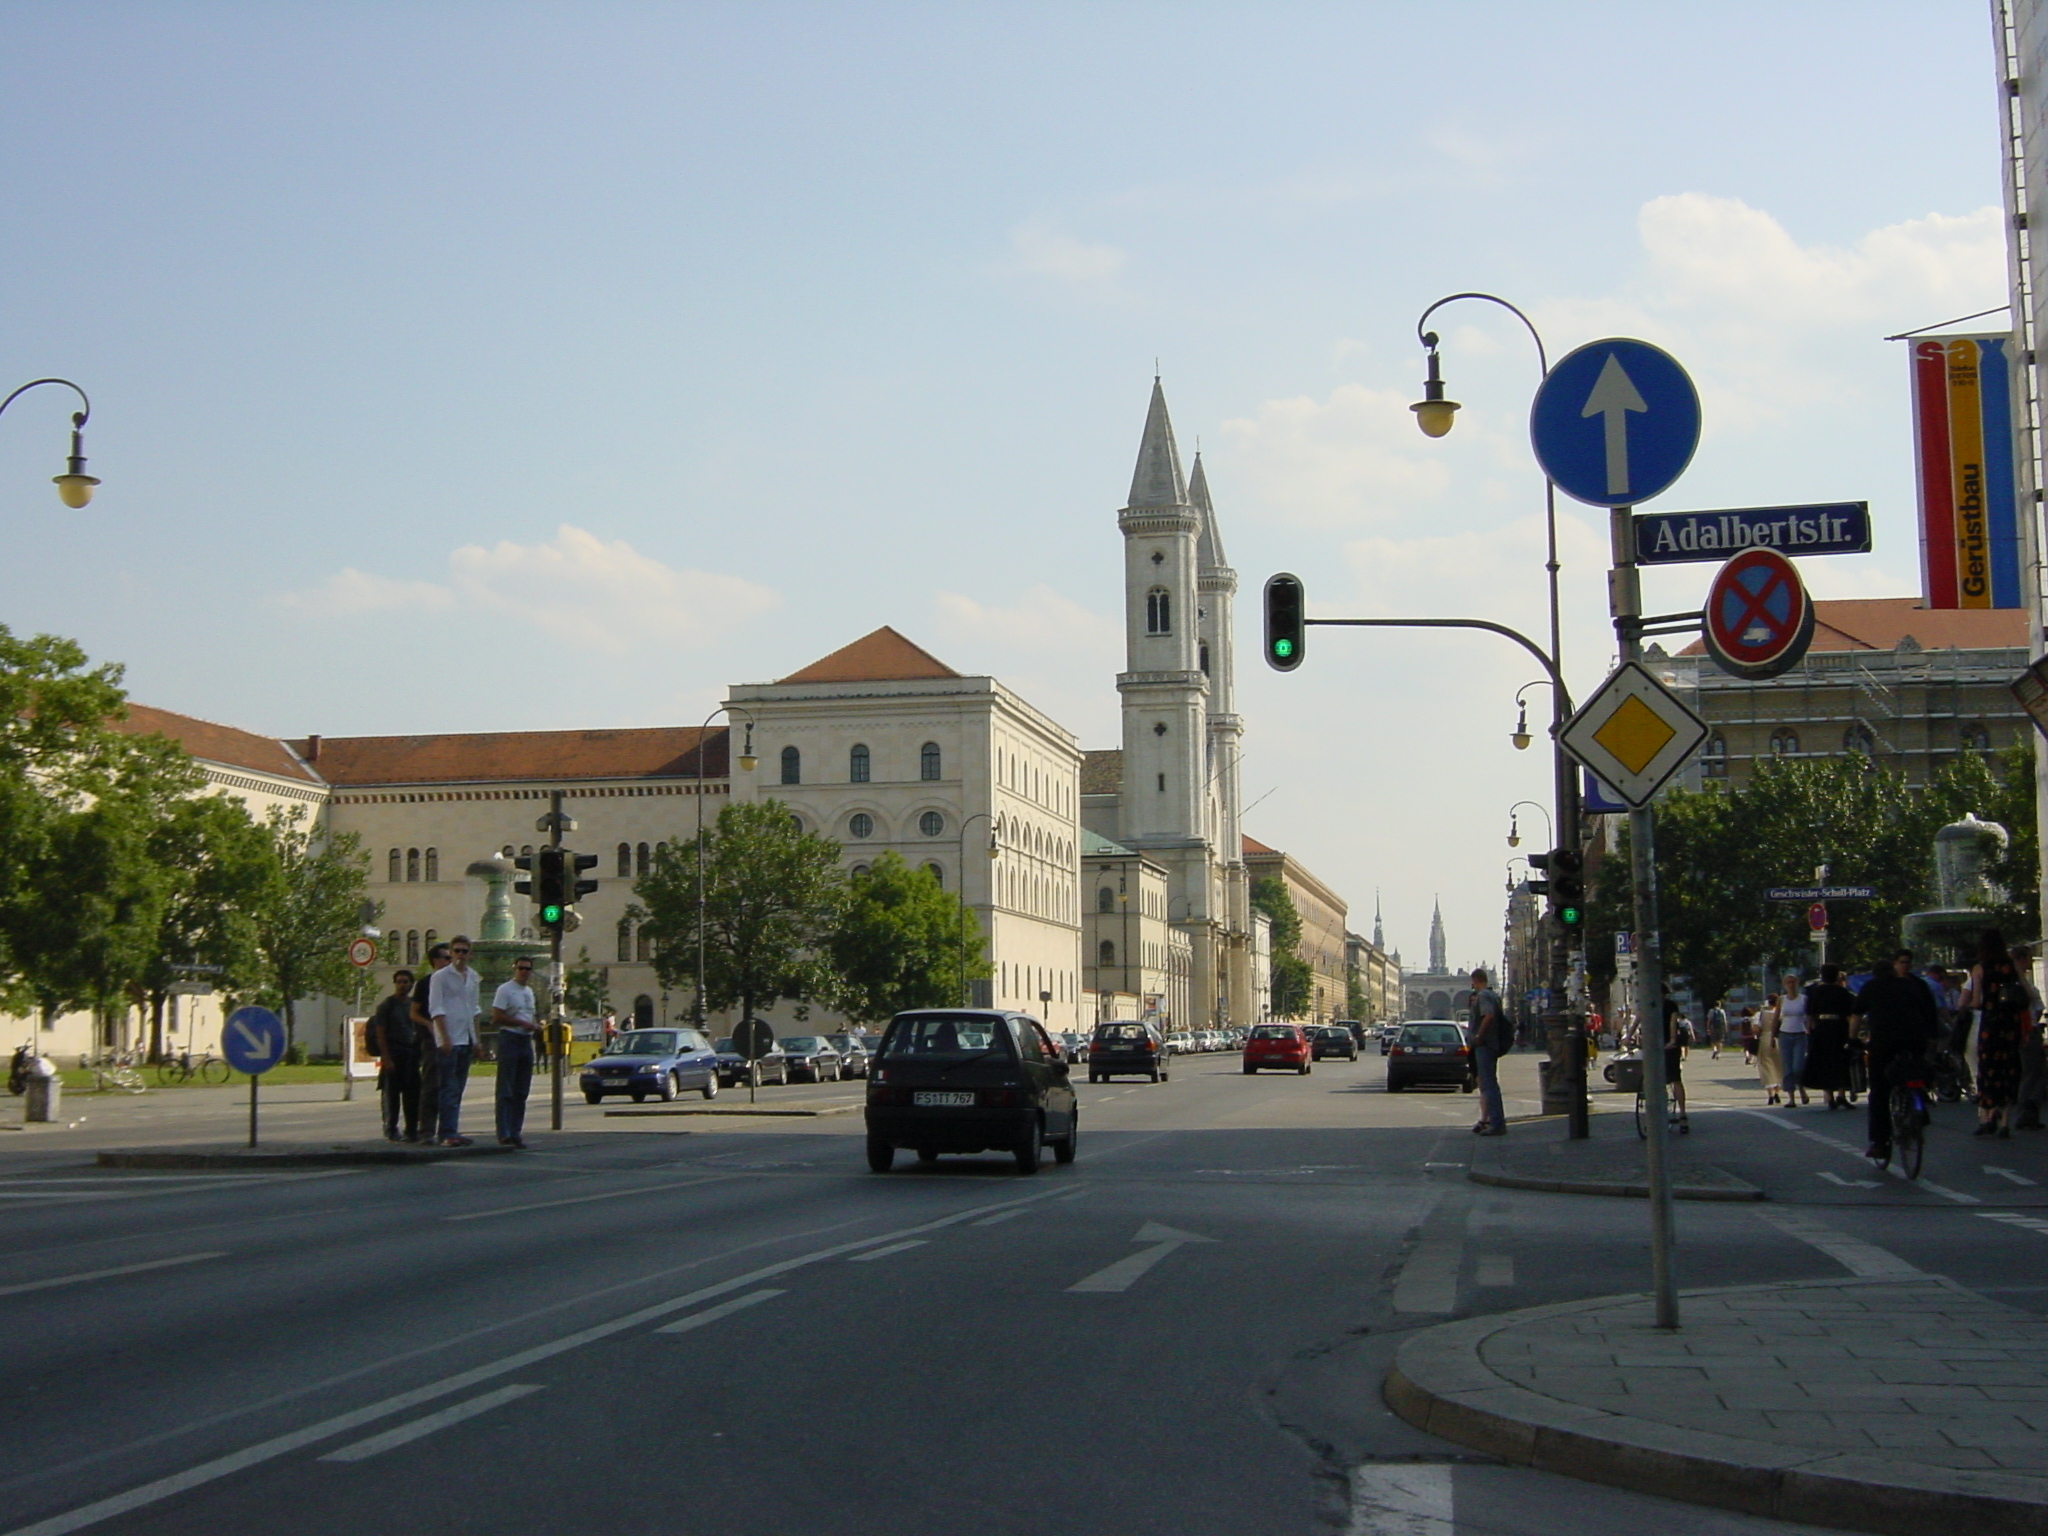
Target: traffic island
[(733, 1110), (1898, 1406), (1608, 1162), (328, 1154)]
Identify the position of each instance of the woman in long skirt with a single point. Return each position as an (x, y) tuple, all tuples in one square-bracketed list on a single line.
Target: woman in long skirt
[(1828, 1006), (2003, 1019), (1770, 1070)]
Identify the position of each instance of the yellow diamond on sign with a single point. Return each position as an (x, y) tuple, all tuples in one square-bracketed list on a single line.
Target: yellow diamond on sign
[(1635, 734)]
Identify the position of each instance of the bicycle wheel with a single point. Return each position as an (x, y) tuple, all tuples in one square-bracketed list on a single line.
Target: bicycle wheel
[(168, 1072), (1642, 1118), (214, 1071), (1908, 1142)]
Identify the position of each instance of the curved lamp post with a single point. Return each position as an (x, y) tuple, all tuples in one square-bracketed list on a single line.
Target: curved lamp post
[(74, 486), (747, 760), (995, 851), (1514, 829), (1520, 736)]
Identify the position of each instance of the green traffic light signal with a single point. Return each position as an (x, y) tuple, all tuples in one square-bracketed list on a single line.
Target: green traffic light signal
[(1286, 622), (551, 914), (1283, 648), (1571, 916)]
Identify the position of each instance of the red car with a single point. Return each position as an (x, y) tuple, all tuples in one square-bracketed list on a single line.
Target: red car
[(1277, 1045)]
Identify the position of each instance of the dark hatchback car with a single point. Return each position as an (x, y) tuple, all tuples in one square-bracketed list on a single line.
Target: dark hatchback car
[(1126, 1048), (969, 1080), (1433, 1052), (1334, 1040)]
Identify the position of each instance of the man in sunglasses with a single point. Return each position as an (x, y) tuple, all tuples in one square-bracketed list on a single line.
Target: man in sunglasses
[(513, 1011), (452, 1000)]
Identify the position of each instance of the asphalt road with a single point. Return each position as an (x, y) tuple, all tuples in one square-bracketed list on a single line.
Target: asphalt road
[(687, 1324)]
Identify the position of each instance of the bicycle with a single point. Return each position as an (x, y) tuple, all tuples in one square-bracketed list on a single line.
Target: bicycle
[(1909, 1115), (181, 1068), (18, 1069), (116, 1069), (1674, 1118)]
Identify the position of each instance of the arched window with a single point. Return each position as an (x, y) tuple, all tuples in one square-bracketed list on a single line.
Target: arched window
[(937, 874), (659, 850), (928, 762), (412, 946), (433, 863), (1785, 742), (625, 940), (1105, 900), (931, 824), (1159, 612), (861, 824), (1859, 739), (625, 864), (396, 866), (792, 766), (857, 766), (797, 822), (1105, 953), (1714, 757), (859, 869), (412, 864), (507, 850), (644, 946), (430, 938), (1976, 738), (526, 850), (642, 860), (1205, 658)]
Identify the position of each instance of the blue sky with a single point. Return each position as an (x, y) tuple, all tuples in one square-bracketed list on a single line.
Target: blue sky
[(470, 367)]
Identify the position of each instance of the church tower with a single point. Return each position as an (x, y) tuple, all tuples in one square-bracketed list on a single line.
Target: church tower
[(1437, 958), (1217, 584)]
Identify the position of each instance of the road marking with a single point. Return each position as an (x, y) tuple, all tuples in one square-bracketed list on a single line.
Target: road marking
[(1402, 1499), (697, 1320), (1495, 1269), (882, 1253), (2014, 1219), (1124, 1273), (1428, 1281), (1836, 1178), (609, 1194), (2007, 1173), (106, 1274), (405, 1434), (1859, 1258), (162, 1488), (989, 1221), (1929, 1185)]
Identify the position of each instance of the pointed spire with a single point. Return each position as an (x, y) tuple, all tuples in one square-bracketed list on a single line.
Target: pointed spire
[(1209, 550), (1437, 958), (1379, 935), (1157, 481)]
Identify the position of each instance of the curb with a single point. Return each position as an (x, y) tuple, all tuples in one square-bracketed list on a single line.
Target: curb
[(288, 1156), (1440, 1385), (785, 1114), (1735, 1190)]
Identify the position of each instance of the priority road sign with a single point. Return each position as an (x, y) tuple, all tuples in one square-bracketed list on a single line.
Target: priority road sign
[(1615, 423), (253, 1040), (1634, 733), (1759, 619)]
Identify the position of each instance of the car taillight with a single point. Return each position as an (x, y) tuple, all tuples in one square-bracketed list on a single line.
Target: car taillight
[(1394, 1050), (1151, 1045), (1001, 1098), (1464, 1050), (879, 1094)]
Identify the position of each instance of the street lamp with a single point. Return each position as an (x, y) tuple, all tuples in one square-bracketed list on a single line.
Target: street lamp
[(1520, 735), (995, 851), (74, 486), (1514, 829), (747, 760), (1435, 414)]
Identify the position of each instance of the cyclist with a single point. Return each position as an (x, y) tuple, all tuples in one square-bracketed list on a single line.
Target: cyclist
[(1678, 1036), (1897, 1018)]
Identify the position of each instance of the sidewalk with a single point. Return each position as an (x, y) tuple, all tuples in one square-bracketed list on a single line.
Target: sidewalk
[(1535, 1154), (1902, 1406)]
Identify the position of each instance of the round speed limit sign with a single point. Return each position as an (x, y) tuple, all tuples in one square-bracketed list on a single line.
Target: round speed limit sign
[(362, 952)]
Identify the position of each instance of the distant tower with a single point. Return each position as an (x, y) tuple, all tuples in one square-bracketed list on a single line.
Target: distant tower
[(1216, 583), (1437, 959), (1379, 936)]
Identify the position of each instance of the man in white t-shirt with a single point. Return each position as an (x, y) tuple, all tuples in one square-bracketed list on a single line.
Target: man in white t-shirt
[(512, 1010), (451, 1003)]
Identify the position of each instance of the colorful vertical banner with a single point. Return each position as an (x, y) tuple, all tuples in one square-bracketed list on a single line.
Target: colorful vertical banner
[(1963, 443)]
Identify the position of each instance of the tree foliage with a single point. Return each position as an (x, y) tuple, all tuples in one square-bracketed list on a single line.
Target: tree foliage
[(313, 905), (1293, 983), (218, 869), (586, 988), (901, 942)]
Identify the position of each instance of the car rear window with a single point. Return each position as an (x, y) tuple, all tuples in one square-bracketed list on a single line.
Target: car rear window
[(1434, 1034), (939, 1036), (1120, 1032), (645, 1042), (802, 1043), (1273, 1032)]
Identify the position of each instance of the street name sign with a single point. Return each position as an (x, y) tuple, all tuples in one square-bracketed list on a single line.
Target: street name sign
[(253, 1040), (1823, 528), (1615, 422), (1759, 619), (1822, 893), (1634, 733)]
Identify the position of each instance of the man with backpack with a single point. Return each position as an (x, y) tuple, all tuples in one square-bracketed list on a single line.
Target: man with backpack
[(1487, 1035)]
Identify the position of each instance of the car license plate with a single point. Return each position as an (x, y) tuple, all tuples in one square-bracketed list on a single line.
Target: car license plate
[(1429, 1050), (954, 1099)]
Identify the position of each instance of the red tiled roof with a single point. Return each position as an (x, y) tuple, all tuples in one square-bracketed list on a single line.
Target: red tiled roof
[(1879, 623), (663, 752), (881, 657), (216, 743), (1253, 845), (1102, 772)]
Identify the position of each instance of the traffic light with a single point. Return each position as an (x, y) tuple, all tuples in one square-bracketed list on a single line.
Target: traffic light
[(524, 862), (580, 887), (1568, 886), (1286, 622), (1540, 863), (551, 885)]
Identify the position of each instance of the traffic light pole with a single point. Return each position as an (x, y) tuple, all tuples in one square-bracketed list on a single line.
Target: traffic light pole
[(558, 1045)]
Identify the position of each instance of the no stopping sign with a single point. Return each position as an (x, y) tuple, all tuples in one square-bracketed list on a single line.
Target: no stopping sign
[(1759, 618)]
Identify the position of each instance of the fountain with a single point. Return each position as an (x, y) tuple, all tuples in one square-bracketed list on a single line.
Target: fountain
[(1947, 935), (497, 942)]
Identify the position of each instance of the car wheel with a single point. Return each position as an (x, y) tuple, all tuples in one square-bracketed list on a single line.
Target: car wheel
[(1031, 1150), (927, 1155), (711, 1086), (671, 1089), (1094, 1077), (1395, 1087), (1302, 1070), (1470, 1085), (1063, 1151), (639, 1095), (1166, 1077), (593, 1098), (1249, 1069), (1155, 1074), (881, 1155)]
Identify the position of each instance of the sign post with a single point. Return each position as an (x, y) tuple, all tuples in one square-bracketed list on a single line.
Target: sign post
[(753, 1039), (253, 1042)]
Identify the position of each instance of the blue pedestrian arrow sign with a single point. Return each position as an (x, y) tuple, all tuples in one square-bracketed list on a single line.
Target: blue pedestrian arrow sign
[(1615, 423), (253, 1040)]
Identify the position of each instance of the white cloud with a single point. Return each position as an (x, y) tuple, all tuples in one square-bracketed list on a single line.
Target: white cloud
[(1058, 656), (605, 595), (1333, 462), (1039, 250)]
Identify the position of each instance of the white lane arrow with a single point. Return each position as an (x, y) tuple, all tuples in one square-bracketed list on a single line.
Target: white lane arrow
[(1614, 396), (1121, 1275), (2007, 1173), (1836, 1178)]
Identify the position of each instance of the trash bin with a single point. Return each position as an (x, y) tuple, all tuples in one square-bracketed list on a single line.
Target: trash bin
[(1626, 1073), (45, 1095)]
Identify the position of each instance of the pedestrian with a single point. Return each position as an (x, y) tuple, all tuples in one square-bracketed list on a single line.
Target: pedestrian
[(1793, 1041), (1717, 1027), (1770, 1066), (1898, 1021), (2033, 1059), (393, 1041), (425, 1047), (512, 1010), (1485, 1038), (451, 999), (1828, 1006), (1677, 1036), (2003, 1021), (1746, 1031)]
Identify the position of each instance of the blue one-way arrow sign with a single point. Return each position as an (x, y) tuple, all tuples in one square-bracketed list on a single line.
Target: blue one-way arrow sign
[(1615, 423)]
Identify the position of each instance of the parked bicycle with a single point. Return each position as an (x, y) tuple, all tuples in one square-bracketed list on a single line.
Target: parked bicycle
[(114, 1069), (18, 1069), (184, 1067)]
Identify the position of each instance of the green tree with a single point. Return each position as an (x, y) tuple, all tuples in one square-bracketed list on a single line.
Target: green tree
[(772, 896), (218, 867), (901, 942), (311, 907), (1293, 984), (587, 987)]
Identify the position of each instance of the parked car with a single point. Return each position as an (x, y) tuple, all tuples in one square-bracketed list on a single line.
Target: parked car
[(644, 1062), (1431, 1051), (854, 1053), (810, 1056), (969, 1080), (1334, 1040), (1276, 1045), (732, 1066), (1124, 1047)]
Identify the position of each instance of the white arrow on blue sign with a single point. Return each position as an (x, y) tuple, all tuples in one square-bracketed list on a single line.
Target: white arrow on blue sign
[(253, 1041), (1615, 423)]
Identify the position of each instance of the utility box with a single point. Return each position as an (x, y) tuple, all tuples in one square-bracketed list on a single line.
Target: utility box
[(45, 1096)]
